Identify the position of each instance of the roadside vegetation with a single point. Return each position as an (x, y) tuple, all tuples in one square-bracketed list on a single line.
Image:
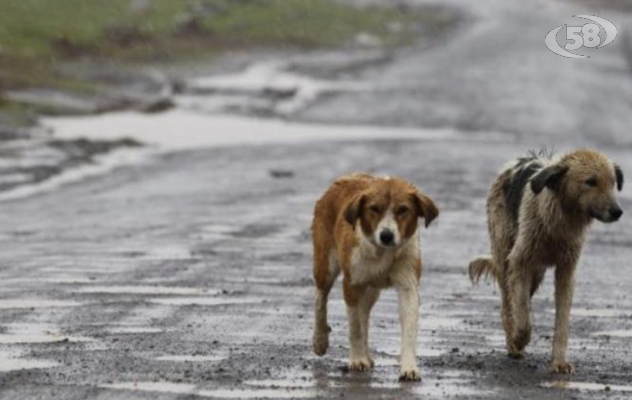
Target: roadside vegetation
[(37, 37)]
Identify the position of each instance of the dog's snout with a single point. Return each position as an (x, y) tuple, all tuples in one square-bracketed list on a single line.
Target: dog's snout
[(387, 237), (615, 212)]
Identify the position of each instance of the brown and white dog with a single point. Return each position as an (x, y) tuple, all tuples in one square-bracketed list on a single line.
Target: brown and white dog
[(367, 227), (539, 209)]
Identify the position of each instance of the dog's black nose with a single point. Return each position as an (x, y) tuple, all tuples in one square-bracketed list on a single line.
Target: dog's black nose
[(616, 212), (387, 237)]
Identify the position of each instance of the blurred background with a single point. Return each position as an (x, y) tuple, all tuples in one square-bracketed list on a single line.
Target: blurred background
[(159, 161)]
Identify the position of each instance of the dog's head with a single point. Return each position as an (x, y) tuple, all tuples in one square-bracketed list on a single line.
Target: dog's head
[(388, 211), (585, 182)]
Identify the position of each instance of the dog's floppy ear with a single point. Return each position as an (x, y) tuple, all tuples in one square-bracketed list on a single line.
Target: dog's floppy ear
[(619, 174), (354, 208), (426, 208), (548, 177)]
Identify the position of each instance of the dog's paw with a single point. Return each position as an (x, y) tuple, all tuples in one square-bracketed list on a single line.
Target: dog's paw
[(562, 367), (361, 364), (371, 360), (521, 338), (321, 344), (515, 354), (410, 375)]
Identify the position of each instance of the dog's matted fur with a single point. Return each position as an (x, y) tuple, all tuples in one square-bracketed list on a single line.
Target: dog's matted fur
[(367, 227), (539, 209)]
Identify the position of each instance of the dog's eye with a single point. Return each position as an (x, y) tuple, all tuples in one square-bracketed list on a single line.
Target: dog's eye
[(375, 209), (401, 210), (592, 182)]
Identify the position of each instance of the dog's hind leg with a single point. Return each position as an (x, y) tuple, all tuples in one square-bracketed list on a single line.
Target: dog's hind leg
[(329, 271), (519, 281), (500, 267), (518, 339), (507, 316)]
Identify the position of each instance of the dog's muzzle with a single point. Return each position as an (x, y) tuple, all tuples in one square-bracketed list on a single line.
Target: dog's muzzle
[(613, 214)]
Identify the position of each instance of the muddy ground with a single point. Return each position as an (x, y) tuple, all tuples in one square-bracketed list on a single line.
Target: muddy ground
[(189, 275)]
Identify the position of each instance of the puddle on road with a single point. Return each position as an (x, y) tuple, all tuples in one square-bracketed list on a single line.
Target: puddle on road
[(589, 312), (447, 388), (496, 340), (36, 303), (259, 393), (275, 268), (282, 383), (447, 384), (216, 232), (191, 358), (102, 165), (389, 361), (432, 322), (168, 252), (204, 301), (422, 351), (430, 352), (18, 283), (251, 280), (135, 329), (586, 386), (34, 333), (185, 388), (162, 387), (469, 297), (301, 385), (617, 334), (148, 290), (66, 280), (11, 361), (270, 86), (98, 267)]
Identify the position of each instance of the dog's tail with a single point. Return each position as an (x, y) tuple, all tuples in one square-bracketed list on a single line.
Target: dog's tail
[(482, 267)]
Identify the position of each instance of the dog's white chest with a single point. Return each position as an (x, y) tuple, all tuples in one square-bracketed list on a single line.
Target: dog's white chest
[(379, 266), (370, 268)]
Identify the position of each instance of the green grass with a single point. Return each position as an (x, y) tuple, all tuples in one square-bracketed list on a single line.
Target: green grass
[(15, 114), (307, 23), (34, 28), (38, 35)]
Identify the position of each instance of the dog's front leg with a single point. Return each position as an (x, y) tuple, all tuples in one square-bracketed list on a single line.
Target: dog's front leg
[(408, 313), (359, 359), (564, 286)]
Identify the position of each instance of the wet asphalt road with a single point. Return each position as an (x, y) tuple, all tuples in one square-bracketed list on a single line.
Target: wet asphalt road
[(190, 276), (225, 251), (495, 74)]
